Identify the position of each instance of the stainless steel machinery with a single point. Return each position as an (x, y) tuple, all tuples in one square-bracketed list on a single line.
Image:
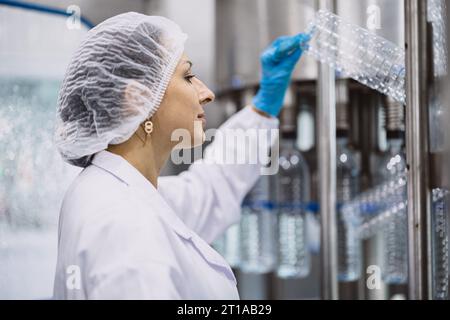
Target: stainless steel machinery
[(402, 241)]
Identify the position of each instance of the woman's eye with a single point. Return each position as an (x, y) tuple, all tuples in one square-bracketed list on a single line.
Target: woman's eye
[(189, 77)]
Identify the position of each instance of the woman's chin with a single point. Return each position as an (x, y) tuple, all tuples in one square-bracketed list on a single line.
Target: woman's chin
[(197, 140)]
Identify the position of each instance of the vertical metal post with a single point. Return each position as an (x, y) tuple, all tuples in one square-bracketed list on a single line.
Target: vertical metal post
[(327, 175), (445, 88), (417, 149)]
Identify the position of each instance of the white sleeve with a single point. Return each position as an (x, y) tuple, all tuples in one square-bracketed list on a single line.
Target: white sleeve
[(208, 196)]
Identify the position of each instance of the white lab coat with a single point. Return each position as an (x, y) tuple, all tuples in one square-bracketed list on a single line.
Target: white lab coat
[(120, 238)]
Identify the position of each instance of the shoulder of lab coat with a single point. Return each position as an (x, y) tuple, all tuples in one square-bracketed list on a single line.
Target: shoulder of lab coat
[(120, 244), (127, 261), (208, 196)]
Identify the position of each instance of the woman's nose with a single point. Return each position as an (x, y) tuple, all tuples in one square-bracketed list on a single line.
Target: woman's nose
[(205, 95)]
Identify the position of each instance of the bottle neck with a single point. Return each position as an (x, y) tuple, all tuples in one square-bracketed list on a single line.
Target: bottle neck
[(341, 141), (395, 145), (288, 135), (288, 139)]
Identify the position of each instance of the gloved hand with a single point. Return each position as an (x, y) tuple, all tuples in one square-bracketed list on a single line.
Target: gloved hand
[(278, 62)]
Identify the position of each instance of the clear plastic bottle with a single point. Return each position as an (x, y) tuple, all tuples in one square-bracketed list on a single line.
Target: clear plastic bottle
[(358, 54), (293, 185), (393, 162), (395, 232), (371, 210), (258, 229), (395, 235), (349, 243), (440, 249)]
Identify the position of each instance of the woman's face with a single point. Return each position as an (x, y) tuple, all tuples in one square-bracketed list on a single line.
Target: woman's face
[(182, 108)]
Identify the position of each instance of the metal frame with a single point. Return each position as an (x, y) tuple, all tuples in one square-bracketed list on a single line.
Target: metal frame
[(327, 175), (417, 150)]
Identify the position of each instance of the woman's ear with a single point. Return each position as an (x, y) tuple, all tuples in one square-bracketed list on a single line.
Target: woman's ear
[(136, 97)]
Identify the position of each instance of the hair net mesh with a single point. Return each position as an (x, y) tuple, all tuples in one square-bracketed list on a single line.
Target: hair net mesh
[(116, 79)]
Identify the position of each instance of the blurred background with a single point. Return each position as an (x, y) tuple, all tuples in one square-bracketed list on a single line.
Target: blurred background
[(359, 209)]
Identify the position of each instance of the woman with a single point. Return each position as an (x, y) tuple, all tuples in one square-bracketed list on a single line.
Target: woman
[(123, 232)]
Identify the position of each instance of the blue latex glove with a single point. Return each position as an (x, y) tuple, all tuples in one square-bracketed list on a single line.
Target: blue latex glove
[(278, 62)]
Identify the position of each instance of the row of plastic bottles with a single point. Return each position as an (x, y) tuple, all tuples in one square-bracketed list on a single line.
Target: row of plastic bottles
[(383, 210), (379, 210), (272, 235), (273, 231)]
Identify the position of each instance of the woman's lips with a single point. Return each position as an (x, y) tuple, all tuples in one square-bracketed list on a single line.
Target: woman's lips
[(202, 118)]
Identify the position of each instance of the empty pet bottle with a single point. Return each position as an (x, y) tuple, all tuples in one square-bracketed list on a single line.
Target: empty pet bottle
[(258, 229), (293, 184), (349, 243), (358, 53)]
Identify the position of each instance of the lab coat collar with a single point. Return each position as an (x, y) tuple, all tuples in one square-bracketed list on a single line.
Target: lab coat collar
[(125, 172), (121, 169)]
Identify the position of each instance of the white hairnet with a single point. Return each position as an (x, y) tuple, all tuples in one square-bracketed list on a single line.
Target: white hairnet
[(116, 79)]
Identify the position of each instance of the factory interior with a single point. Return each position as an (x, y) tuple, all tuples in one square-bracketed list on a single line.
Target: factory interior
[(360, 206)]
